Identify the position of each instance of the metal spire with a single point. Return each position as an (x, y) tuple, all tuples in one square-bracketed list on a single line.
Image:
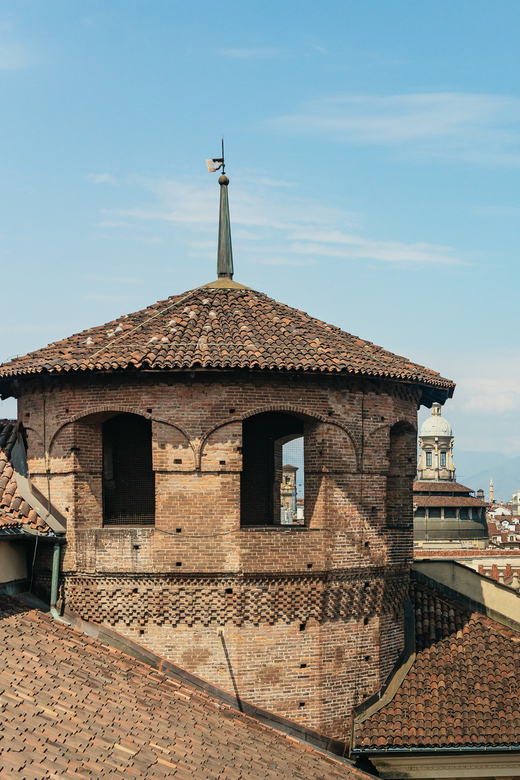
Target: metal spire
[(225, 251)]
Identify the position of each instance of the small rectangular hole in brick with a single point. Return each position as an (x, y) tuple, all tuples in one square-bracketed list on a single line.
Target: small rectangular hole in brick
[(178, 563), (309, 565), (303, 666), (222, 462), (301, 704), (303, 626), (229, 591), (149, 411), (178, 530), (231, 411), (177, 460)]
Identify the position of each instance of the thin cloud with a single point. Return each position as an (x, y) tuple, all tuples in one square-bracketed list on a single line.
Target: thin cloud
[(109, 298), (486, 404), (113, 279), (102, 178), (13, 57), (497, 211), (478, 128), (277, 229), (253, 53), (113, 223)]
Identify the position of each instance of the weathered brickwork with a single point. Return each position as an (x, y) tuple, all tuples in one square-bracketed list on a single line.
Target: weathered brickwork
[(310, 618)]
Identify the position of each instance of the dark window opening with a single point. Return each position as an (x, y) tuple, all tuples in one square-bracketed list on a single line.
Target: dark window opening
[(128, 477), (401, 473), (428, 459), (272, 479), (443, 460)]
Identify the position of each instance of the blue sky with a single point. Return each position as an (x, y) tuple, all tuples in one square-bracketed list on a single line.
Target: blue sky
[(374, 156)]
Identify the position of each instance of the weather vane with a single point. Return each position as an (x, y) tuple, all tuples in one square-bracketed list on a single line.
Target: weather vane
[(217, 163)]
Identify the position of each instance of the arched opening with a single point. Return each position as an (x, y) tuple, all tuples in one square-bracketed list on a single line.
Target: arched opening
[(271, 486), (128, 477), (402, 458)]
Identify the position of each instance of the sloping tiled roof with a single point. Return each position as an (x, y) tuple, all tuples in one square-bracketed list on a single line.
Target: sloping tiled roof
[(463, 689), (222, 328), (73, 707), (422, 486), (15, 512), (440, 500)]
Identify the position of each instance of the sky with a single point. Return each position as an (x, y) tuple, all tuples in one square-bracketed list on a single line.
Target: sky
[(374, 155)]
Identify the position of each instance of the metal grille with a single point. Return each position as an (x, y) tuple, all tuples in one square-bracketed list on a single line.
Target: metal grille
[(128, 477)]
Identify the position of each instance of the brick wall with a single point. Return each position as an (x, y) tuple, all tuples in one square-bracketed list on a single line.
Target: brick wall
[(311, 618)]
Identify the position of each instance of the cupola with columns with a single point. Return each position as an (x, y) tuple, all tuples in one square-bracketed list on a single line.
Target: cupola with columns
[(436, 448)]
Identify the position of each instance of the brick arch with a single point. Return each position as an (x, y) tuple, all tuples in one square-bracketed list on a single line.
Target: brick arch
[(298, 410), (167, 449), (403, 448), (376, 444), (402, 465), (216, 436), (259, 410), (121, 409), (291, 408), (34, 433), (118, 409), (58, 434)]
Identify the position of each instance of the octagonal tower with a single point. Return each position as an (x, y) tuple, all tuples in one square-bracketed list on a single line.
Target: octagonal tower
[(161, 438)]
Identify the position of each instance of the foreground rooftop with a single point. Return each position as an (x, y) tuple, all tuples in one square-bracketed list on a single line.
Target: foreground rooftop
[(73, 707)]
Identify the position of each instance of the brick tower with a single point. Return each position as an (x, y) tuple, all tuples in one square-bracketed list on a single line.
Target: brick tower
[(160, 438)]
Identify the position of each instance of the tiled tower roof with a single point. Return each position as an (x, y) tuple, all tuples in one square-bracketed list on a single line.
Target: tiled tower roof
[(223, 325)]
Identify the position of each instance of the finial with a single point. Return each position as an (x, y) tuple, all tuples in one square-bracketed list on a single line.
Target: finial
[(225, 252)]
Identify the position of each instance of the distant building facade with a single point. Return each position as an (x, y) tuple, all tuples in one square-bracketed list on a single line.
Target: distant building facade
[(444, 510)]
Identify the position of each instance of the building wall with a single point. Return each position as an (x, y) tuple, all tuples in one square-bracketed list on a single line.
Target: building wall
[(13, 561), (307, 621)]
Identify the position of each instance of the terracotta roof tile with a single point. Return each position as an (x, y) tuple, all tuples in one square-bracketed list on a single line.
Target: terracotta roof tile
[(222, 328), (14, 511), (423, 486), (462, 689), (73, 707), (440, 500)]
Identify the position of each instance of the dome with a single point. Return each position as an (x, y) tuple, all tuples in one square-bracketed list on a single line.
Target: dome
[(435, 425)]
